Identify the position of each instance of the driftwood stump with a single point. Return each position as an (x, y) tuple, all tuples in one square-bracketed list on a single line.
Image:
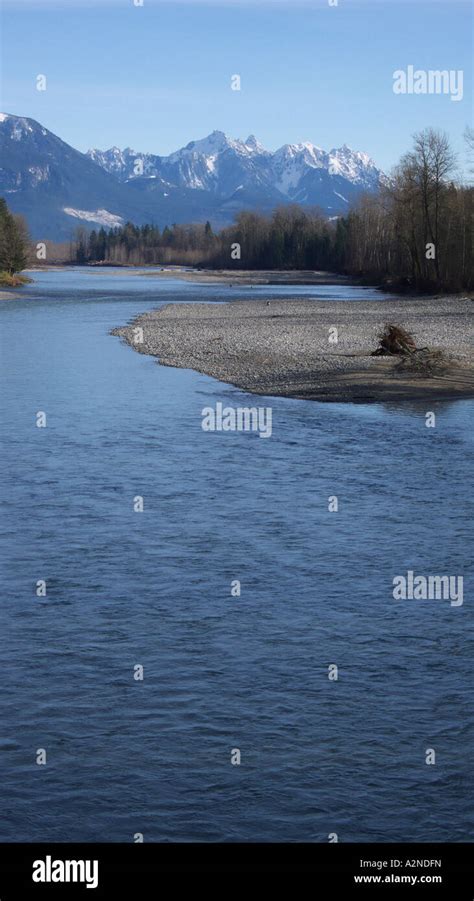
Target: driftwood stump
[(395, 340)]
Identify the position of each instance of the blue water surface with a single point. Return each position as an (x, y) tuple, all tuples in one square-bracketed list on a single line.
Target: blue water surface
[(154, 588)]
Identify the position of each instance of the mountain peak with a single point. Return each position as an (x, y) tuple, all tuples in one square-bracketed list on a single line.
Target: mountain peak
[(20, 127), (254, 145)]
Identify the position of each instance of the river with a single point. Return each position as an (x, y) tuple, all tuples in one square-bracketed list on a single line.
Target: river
[(153, 589)]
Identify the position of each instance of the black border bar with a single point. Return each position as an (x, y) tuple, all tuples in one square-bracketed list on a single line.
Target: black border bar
[(126, 867)]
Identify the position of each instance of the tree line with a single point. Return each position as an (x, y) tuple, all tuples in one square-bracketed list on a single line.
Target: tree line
[(290, 238), (145, 245)]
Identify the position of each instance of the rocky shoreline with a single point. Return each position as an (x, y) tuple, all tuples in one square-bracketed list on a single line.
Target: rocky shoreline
[(288, 348)]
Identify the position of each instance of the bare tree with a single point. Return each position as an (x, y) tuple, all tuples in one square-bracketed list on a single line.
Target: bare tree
[(469, 139)]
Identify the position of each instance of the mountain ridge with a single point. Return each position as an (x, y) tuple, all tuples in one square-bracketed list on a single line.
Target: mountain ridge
[(354, 165), (57, 187)]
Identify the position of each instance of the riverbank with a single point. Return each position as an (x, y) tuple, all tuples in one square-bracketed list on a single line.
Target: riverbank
[(13, 281), (282, 348)]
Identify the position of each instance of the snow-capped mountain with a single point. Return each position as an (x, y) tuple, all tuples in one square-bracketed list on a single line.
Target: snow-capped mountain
[(292, 163), (57, 187), (223, 165), (215, 163), (123, 163)]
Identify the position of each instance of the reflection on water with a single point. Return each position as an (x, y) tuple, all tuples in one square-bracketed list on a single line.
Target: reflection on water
[(221, 672)]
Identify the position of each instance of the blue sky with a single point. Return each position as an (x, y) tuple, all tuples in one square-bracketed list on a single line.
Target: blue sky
[(157, 76)]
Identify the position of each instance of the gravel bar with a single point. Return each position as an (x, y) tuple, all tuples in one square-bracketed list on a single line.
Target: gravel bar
[(282, 347)]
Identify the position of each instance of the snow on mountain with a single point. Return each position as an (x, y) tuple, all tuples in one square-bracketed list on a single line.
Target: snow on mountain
[(357, 167), (99, 217), (292, 161), (215, 144), (254, 146), (126, 164), (201, 165), (113, 160), (20, 127), (212, 145)]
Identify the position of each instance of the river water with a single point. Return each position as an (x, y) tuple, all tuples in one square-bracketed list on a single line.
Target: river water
[(221, 673)]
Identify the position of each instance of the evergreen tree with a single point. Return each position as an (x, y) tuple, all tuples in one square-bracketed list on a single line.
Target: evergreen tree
[(92, 249), (13, 241), (166, 237), (101, 244), (82, 243)]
